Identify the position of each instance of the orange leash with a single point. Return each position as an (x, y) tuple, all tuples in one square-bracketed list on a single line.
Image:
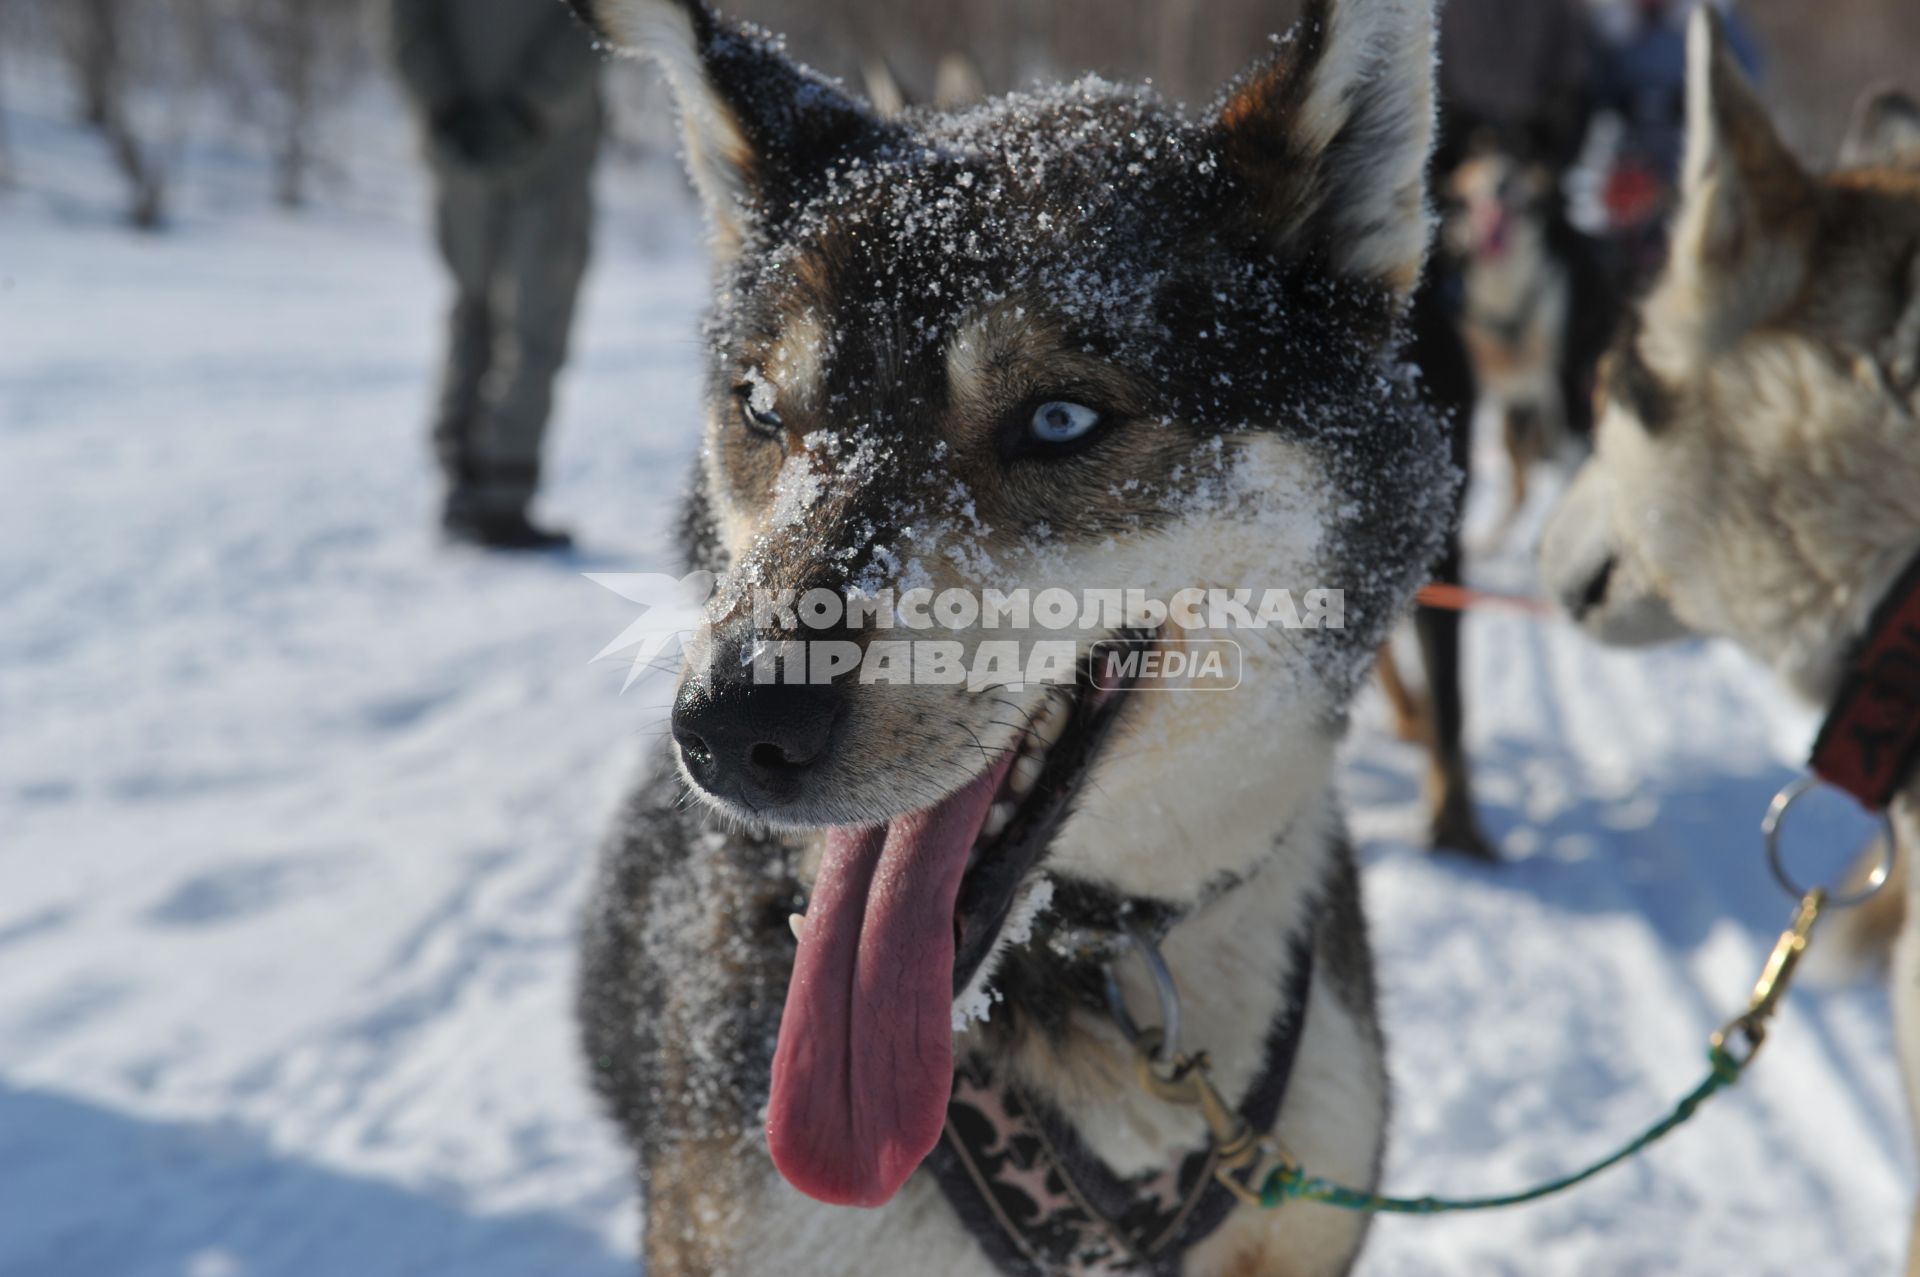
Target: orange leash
[(1460, 598)]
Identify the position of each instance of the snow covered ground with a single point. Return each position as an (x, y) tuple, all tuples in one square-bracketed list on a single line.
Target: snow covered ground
[(297, 809)]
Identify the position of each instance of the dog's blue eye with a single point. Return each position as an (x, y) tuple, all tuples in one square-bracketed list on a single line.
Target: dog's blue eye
[(757, 412), (1063, 422)]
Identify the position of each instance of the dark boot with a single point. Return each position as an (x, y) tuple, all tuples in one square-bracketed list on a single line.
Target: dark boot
[(492, 513), (500, 530)]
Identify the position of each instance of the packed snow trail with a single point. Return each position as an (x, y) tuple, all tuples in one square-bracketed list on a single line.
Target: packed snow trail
[(297, 808)]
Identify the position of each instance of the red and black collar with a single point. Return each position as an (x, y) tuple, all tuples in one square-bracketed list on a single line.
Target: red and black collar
[(1869, 744)]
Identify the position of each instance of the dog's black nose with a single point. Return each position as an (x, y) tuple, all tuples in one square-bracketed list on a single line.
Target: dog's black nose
[(753, 742)]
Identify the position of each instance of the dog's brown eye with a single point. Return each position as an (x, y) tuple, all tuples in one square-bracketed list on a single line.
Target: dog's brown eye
[(757, 410)]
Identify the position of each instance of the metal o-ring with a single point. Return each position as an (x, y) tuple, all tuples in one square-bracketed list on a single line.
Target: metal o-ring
[(1164, 989), (1770, 829)]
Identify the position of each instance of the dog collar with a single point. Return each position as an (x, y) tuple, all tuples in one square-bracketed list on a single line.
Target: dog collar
[(1870, 741), (1041, 1204)]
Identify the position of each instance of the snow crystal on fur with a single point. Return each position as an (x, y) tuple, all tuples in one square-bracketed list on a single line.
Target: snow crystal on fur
[(975, 1003)]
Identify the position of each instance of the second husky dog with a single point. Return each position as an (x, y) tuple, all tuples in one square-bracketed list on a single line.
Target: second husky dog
[(1073, 339), (1757, 472)]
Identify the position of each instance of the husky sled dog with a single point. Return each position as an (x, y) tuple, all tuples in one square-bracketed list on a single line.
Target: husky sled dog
[(1073, 338), (1757, 472), (1537, 311)]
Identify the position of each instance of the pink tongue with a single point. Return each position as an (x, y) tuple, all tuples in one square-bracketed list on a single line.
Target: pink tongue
[(864, 1065)]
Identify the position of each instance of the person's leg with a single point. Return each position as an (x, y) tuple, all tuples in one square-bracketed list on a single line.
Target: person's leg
[(469, 220), (547, 242)]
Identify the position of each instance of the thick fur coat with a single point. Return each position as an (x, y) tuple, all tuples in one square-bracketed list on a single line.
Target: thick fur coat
[(1213, 304)]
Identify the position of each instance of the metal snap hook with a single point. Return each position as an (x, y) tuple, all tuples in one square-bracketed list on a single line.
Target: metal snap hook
[(1164, 989), (1770, 830)]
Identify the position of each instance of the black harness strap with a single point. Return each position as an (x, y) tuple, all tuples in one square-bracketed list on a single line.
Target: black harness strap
[(1041, 1204)]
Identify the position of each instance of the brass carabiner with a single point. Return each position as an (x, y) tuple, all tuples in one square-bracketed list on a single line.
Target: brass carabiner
[(1243, 1159), (1188, 1082), (1774, 981)]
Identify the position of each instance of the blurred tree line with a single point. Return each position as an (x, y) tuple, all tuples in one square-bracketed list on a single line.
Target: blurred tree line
[(1820, 53), (1189, 48), (136, 67)]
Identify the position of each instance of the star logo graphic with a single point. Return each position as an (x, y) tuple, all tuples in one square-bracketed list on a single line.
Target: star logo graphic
[(675, 611)]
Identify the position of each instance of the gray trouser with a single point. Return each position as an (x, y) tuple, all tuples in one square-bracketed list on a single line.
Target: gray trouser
[(517, 245)]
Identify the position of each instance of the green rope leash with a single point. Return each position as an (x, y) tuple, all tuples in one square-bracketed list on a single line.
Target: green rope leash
[(1290, 1183), (1242, 1152)]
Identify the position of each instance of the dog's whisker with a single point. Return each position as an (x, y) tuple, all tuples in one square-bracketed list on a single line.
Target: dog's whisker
[(985, 756)]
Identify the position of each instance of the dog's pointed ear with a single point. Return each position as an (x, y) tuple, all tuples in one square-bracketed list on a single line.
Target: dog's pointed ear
[(1748, 209), (1885, 130), (1330, 137), (761, 130)]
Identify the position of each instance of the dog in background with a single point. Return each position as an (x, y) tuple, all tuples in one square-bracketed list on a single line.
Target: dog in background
[(1537, 310), (1885, 131), (1516, 311), (1756, 474)]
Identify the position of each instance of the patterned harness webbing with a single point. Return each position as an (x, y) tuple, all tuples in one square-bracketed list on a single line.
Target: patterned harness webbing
[(1869, 744), (1041, 1204)]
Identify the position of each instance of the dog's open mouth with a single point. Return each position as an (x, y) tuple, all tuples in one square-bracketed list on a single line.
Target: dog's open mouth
[(902, 917)]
